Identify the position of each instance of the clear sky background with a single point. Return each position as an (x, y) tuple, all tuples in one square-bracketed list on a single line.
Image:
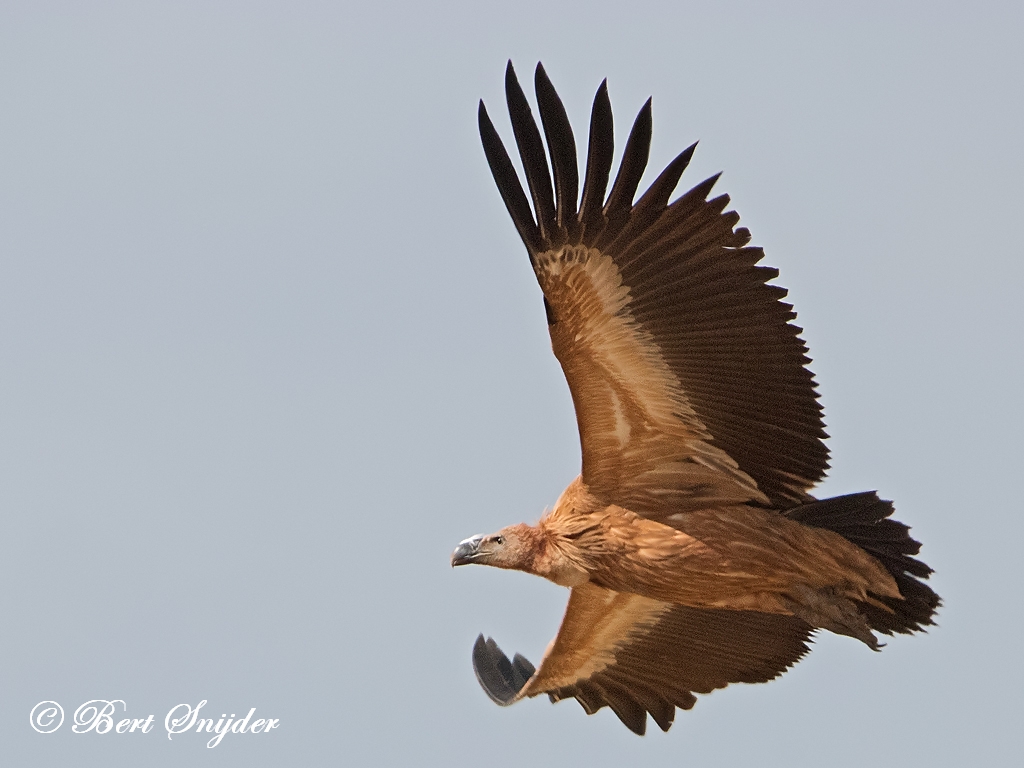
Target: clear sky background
[(270, 347)]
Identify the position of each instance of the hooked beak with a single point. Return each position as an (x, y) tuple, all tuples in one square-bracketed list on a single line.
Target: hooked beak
[(467, 551)]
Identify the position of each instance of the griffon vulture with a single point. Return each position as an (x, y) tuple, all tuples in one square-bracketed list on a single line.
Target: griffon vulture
[(695, 554)]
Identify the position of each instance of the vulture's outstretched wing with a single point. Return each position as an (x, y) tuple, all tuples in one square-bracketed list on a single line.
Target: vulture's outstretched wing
[(688, 378), (639, 656)]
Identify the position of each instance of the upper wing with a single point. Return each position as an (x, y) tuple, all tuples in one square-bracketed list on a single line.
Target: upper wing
[(638, 655), (689, 380)]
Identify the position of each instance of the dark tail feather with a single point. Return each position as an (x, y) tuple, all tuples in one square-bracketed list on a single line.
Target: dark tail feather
[(863, 519)]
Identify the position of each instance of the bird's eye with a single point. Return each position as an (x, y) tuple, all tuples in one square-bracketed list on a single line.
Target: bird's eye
[(499, 540)]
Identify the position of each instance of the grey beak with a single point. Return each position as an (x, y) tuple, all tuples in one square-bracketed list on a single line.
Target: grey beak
[(467, 551)]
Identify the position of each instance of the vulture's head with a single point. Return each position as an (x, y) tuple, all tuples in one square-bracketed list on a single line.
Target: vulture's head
[(513, 547)]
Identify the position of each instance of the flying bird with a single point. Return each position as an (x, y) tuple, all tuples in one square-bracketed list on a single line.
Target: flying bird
[(695, 554)]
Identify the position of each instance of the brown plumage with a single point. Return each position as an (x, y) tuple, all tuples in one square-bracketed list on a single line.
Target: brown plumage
[(695, 553)]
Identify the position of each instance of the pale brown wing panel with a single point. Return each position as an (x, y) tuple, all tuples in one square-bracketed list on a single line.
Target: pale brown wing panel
[(644, 447), (638, 655), (665, 305), (597, 622)]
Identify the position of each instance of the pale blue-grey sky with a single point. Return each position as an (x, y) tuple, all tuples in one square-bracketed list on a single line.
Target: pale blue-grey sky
[(270, 347)]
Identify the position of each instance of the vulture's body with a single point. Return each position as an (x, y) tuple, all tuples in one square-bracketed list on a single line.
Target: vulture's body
[(695, 553)]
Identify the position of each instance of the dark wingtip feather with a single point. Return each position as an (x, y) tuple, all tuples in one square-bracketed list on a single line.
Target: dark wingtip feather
[(656, 197), (562, 149), (531, 151), (507, 180), (704, 188), (630, 713), (631, 169), (599, 161), (523, 665), (663, 715), (500, 678), (654, 201)]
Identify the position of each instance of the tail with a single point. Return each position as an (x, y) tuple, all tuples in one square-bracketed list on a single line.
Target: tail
[(863, 519)]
